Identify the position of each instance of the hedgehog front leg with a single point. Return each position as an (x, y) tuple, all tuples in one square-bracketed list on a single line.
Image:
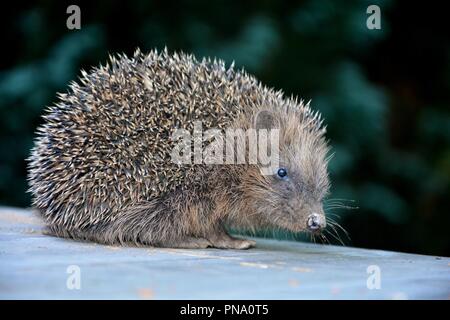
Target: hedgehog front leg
[(189, 243), (222, 240)]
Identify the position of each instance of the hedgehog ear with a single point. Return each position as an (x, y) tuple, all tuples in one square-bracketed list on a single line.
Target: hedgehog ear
[(264, 119)]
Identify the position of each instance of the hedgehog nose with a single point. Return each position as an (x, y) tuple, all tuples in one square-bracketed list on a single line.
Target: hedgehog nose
[(315, 222)]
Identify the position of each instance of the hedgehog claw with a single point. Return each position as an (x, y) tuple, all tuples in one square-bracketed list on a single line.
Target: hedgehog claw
[(224, 241), (191, 243), (240, 244), (244, 244)]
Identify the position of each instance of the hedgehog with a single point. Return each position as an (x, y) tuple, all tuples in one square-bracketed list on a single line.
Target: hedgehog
[(102, 167)]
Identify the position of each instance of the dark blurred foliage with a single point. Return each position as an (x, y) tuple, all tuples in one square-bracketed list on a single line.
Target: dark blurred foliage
[(384, 93)]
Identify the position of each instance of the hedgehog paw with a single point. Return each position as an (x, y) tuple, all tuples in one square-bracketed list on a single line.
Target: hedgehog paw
[(233, 243), (243, 244), (191, 243)]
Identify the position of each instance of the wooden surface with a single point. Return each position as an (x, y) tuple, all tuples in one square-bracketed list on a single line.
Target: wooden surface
[(35, 266)]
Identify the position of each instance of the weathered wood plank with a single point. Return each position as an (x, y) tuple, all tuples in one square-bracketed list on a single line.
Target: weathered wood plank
[(34, 266)]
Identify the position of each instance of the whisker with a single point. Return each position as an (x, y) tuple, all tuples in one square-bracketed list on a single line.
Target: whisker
[(333, 224), (338, 239), (324, 238), (340, 206), (345, 231), (338, 199), (340, 227)]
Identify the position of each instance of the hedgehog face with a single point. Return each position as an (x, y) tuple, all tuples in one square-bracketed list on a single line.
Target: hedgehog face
[(299, 187), (292, 196)]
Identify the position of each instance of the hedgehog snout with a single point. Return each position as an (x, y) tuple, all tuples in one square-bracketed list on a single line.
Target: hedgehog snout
[(316, 222)]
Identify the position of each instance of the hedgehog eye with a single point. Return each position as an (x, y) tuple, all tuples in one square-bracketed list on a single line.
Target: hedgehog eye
[(282, 173)]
